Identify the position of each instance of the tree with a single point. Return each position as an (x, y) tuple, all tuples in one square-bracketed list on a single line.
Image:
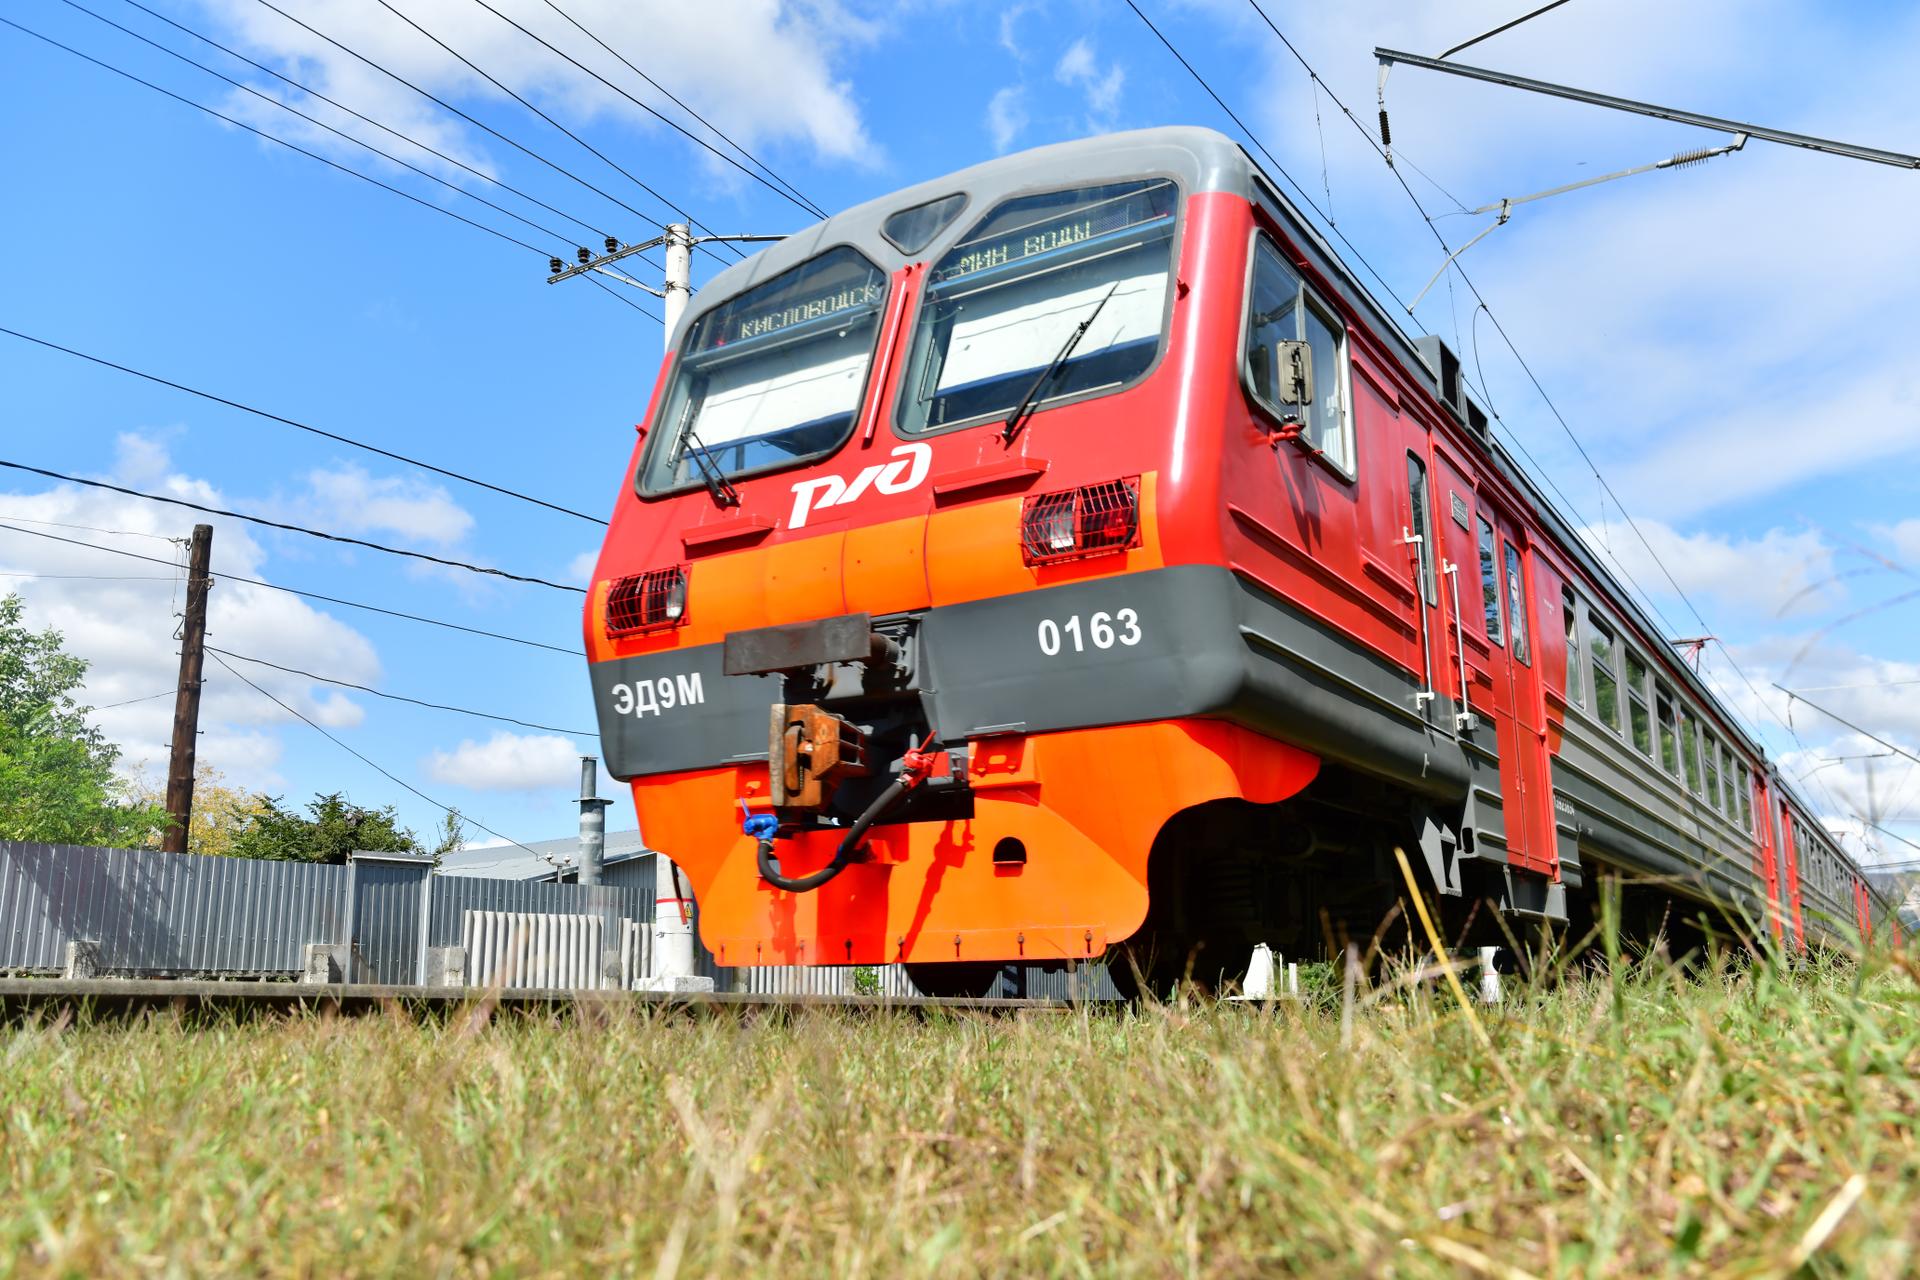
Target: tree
[(452, 838), (220, 811), (332, 828), (57, 784)]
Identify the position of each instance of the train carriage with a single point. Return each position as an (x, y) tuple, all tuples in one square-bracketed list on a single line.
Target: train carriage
[(1069, 553)]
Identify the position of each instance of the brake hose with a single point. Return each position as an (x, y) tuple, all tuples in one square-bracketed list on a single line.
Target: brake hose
[(765, 827)]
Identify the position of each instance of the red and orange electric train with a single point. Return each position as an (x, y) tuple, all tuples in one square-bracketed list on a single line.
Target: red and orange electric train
[(1069, 552)]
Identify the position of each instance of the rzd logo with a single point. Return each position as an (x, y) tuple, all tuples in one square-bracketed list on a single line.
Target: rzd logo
[(907, 470)]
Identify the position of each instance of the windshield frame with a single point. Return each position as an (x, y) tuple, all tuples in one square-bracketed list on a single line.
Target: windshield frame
[(912, 327), (659, 427)]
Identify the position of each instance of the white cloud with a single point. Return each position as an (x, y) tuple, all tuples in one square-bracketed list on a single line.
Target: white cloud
[(1009, 26), (1904, 538), (764, 71), (1007, 116), (1779, 574), (1078, 66), (357, 502), (510, 762), (581, 567), (123, 624)]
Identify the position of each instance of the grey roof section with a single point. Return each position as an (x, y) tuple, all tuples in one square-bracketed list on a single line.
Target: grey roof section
[(1199, 159), (511, 862)]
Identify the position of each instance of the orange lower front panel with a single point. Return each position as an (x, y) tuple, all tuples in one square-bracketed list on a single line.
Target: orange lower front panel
[(1085, 804)]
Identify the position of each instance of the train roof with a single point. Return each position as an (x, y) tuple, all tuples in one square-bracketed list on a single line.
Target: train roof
[(1200, 159)]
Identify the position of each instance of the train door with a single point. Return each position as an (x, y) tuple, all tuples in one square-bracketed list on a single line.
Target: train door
[(1759, 800), (1790, 871), (1506, 596)]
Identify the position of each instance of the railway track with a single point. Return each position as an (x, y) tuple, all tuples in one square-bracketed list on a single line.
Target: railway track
[(25, 996)]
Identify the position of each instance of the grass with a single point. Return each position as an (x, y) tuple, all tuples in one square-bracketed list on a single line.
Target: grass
[(1638, 1122)]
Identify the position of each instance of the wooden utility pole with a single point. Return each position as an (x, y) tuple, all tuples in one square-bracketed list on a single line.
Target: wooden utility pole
[(186, 703)]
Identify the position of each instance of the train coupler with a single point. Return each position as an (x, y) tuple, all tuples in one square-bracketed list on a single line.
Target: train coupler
[(810, 752)]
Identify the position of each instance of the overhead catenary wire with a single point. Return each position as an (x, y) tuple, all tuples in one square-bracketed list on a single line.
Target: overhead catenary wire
[(303, 426), (444, 105), (262, 133), (790, 194), (341, 106), (400, 697), (397, 781), (805, 201), (293, 528), (1540, 389), (307, 595), (609, 161), (318, 123), (1478, 297)]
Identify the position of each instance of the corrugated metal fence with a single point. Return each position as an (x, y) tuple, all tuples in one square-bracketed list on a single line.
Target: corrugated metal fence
[(170, 913), (165, 912)]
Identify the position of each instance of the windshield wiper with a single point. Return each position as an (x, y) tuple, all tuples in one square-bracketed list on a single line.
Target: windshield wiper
[(689, 445), (1024, 409)]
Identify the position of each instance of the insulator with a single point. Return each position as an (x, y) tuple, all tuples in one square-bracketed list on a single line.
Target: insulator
[(1386, 134), (555, 265), (612, 244), (1686, 158), (582, 254)]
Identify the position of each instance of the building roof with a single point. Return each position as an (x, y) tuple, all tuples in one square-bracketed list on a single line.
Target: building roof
[(537, 858)]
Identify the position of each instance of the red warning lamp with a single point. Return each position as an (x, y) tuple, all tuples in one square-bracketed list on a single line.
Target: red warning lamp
[(1074, 523)]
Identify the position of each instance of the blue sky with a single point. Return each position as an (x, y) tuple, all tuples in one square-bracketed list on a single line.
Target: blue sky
[(1730, 342)]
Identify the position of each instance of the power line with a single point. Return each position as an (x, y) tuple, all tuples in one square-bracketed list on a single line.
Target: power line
[(458, 813), (806, 202), (86, 577), (311, 155), (1281, 169), (292, 528), (90, 528), (409, 140), (449, 107), (801, 201), (398, 697), (285, 106), (164, 693), (310, 595), (302, 426), (500, 85)]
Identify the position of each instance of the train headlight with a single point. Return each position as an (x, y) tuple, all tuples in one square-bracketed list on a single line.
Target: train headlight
[(1072, 523), (643, 602)]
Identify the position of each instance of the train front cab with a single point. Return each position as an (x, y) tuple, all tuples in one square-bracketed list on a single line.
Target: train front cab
[(1229, 615), (1044, 594)]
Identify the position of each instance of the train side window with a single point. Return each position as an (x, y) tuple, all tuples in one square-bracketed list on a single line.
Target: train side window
[(1669, 731), (1281, 309), (1728, 797), (1641, 722), (1490, 584), (1710, 759), (1746, 798), (1570, 619), (1517, 605), (1606, 687), (1690, 750), (1417, 505)]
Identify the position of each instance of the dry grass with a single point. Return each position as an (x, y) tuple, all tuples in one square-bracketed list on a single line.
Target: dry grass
[(1752, 1122)]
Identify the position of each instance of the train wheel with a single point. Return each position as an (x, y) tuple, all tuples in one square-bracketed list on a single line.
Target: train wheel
[(954, 981)]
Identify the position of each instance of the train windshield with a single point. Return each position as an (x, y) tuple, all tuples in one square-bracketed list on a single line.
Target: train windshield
[(770, 378), (1005, 301)]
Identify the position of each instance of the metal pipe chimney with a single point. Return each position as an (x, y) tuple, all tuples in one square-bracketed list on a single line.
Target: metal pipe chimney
[(593, 822)]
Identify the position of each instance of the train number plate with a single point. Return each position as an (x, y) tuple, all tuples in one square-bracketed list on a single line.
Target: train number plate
[(1076, 633)]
